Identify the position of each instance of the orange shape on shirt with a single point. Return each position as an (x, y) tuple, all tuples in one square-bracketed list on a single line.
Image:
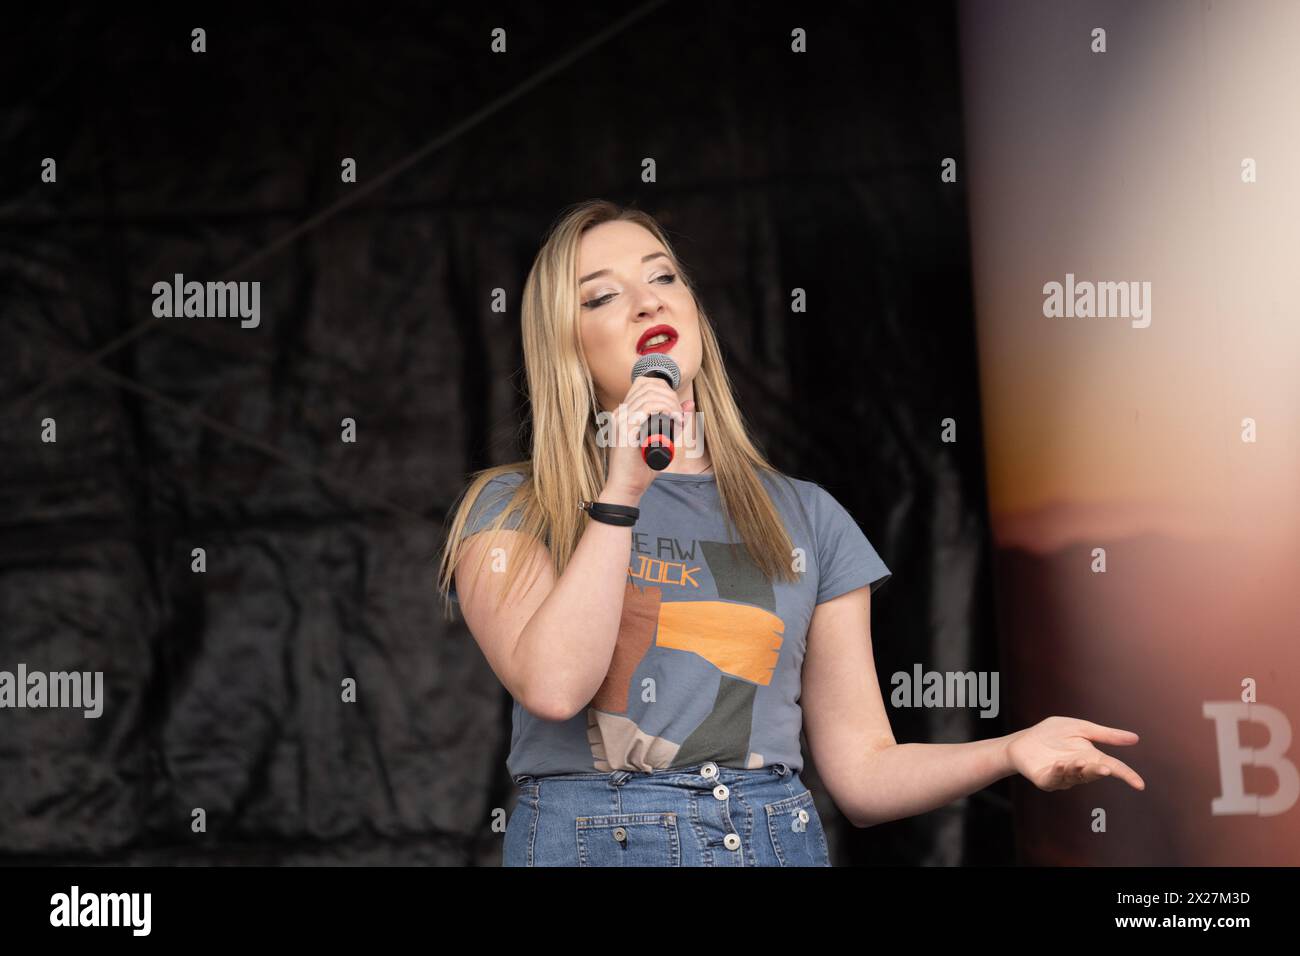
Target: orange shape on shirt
[(738, 639)]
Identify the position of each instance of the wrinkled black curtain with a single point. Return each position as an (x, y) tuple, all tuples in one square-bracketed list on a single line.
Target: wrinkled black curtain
[(223, 736)]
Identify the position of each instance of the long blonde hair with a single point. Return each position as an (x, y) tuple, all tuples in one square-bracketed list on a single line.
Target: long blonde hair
[(570, 465)]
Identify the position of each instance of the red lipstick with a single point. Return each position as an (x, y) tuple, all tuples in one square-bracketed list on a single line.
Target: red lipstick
[(650, 333)]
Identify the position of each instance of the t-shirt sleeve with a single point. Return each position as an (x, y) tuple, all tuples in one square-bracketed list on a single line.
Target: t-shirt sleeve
[(846, 560), (491, 502)]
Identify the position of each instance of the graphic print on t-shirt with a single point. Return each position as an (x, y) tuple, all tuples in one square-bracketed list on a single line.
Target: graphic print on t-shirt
[(738, 634), (723, 657)]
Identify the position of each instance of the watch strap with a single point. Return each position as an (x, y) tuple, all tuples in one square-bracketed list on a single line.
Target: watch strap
[(623, 516)]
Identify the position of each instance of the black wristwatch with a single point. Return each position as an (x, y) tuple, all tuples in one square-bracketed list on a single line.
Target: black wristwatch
[(622, 515)]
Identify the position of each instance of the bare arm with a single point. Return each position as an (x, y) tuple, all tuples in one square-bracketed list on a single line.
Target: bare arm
[(906, 779), (874, 779), (552, 647), (870, 777), (551, 642)]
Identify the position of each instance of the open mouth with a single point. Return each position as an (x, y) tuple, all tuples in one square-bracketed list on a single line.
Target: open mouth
[(659, 338)]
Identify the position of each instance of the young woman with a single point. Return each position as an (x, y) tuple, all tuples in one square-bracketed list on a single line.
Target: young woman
[(665, 647)]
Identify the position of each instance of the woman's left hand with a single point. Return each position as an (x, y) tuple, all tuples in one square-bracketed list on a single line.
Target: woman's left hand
[(1057, 753)]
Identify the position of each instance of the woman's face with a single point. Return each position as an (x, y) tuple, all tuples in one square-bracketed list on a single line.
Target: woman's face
[(628, 286)]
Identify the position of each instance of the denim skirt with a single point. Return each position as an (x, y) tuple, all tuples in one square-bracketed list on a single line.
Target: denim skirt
[(703, 815)]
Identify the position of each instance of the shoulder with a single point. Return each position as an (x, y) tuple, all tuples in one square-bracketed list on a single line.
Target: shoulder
[(498, 479), (488, 494), (799, 501), (822, 514), (790, 491), (507, 480)]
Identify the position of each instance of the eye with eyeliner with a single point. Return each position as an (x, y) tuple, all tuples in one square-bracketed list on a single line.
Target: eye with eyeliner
[(601, 300)]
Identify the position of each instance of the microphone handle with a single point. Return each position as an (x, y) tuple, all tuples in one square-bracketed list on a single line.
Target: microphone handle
[(658, 441), (658, 435)]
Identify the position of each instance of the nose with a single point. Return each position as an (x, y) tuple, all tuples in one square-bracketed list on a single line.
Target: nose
[(649, 304)]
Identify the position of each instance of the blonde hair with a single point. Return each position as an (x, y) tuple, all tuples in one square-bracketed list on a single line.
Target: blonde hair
[(569, 464)]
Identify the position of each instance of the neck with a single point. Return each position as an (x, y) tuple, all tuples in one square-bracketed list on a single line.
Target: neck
[(686, 461), (688, 466)]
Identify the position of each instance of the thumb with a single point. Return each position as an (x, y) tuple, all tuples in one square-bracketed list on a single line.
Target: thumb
[(688, 405)]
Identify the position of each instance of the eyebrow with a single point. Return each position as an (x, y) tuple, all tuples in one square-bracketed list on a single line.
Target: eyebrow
[(605, 272)]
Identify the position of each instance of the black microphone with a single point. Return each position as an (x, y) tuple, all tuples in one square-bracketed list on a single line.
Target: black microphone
[(657, 434)]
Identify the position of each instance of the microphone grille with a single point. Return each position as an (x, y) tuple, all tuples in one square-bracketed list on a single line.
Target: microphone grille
[(658, 363)]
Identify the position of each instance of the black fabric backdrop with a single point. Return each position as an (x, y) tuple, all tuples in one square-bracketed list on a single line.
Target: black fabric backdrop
[(775, 171)]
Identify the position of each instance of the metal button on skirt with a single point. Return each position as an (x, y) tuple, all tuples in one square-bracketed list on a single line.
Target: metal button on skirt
[(704, 815)]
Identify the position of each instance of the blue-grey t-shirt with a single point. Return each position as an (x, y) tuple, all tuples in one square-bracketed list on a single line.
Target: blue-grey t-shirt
[(709, 653)]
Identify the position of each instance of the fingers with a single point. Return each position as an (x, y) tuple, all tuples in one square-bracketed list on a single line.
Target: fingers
[(637, 418), (1070, 773), (660, 397), (1109, 766), (1076, 770), (1109, 735), (1059, 776), (647, 385), (649, 396)]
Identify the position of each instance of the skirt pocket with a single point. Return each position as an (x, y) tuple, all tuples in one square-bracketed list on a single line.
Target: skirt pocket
[(629, 839), (796, 831)]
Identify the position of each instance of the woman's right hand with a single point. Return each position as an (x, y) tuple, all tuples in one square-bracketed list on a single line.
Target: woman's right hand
[(627, 476)]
